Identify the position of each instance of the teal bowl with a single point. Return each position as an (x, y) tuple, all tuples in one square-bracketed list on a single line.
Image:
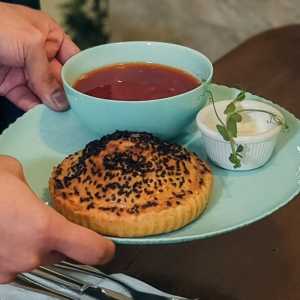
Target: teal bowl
[(165, 117)]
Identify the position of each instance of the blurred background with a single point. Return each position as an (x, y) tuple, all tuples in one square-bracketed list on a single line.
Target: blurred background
[(212, 26)]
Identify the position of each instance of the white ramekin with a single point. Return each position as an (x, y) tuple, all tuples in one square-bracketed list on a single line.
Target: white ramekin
[(258, 144)]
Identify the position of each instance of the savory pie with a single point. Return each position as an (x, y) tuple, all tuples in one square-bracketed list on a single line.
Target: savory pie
[(131, 184)]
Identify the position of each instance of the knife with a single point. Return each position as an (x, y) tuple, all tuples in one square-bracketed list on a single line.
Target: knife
[(48, 278)]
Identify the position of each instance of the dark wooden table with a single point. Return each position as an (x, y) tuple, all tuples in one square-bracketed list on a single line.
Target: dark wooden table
[(261, 261)]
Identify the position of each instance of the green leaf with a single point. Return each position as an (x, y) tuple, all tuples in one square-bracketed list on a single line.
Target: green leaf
[(240, 148), (236, 117), (223, 131), (232, 158), (237, 165), (230, 108), (240, 96), (231, 127), (235, 161)]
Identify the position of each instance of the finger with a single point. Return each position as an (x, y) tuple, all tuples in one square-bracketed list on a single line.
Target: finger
[(23, 97), (12, 77), (51, 258), (12, 165), (14, 88), (55, 36), (7, 278), (52, 48), (4, 71), (55, 67), (83, 245), (52, 32), (67, 49), (41, 80)]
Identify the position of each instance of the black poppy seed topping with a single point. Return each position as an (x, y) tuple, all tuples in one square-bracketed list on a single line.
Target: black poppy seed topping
[(58, 184), (90, 205), (143, 139), (84, 199), (141, 170), (149, 204), (58, 171)]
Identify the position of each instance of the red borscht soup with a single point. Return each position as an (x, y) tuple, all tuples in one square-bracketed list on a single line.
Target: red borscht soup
[(136, 81)]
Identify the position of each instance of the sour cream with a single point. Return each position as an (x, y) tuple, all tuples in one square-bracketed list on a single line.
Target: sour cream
[(257, 132)]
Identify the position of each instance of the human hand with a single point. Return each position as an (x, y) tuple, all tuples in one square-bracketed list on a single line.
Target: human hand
[(32, 50), (34, 234)]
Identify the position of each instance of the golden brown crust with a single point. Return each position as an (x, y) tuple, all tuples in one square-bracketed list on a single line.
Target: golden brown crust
[(131, 184)]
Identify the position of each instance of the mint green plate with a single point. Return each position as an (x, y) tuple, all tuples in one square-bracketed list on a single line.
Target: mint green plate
[(42, 138)]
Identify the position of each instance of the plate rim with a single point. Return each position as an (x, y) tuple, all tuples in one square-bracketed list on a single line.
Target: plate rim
[(160, 239)]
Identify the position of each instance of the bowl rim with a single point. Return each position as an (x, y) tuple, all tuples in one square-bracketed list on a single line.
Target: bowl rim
[(149, 43), (245, 139)]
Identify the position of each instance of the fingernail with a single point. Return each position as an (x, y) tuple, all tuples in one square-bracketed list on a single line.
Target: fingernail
[(58, 98)]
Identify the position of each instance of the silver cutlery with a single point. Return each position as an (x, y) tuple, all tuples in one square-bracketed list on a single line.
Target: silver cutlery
[(35, 287), (47, 279), (136, 294), (60, 285), (27, 283)]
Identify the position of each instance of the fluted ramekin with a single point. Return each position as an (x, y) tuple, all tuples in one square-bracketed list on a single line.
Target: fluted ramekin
[(257, 133)]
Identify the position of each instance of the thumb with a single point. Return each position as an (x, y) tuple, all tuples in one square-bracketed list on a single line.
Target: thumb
[(12, 166), (82, 244), (41, 80)]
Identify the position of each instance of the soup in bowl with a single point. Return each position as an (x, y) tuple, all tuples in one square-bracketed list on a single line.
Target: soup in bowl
[(137, 86)]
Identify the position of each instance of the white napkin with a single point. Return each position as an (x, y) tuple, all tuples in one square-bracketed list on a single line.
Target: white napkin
[(16, 292)]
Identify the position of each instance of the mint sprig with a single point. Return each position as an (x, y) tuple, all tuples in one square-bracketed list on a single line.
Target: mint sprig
[(228, 129)]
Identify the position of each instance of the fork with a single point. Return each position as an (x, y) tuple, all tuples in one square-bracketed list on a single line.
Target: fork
[(136, 294), (68, 286), (35, 286)]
